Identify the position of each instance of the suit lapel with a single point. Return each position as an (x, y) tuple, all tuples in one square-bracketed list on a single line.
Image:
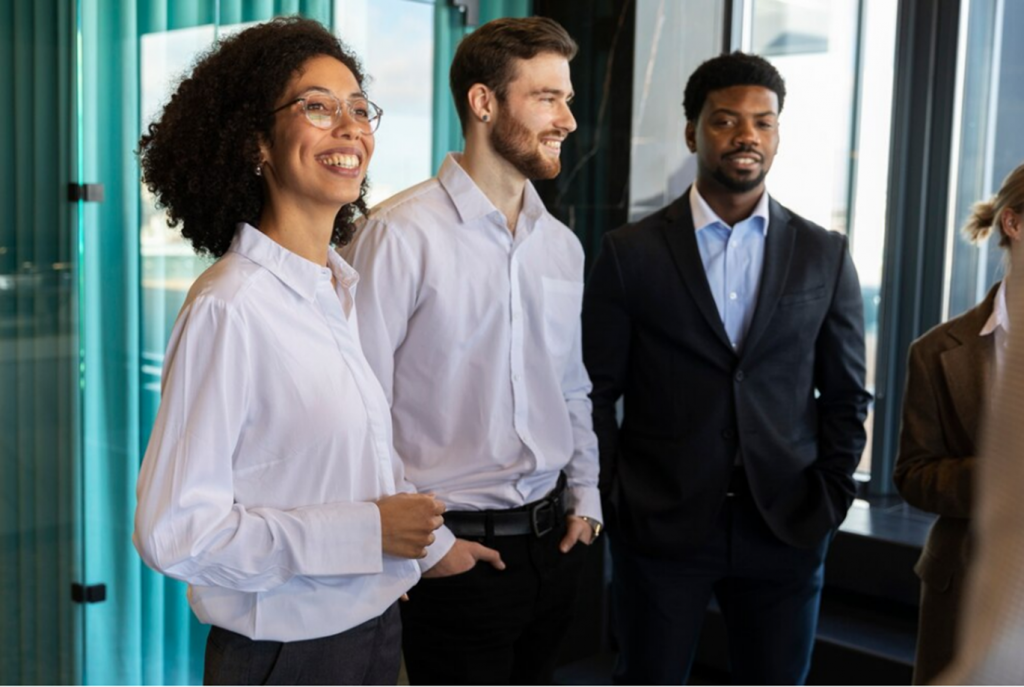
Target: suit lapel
[(966, 367), (682, 244), (778, 251)]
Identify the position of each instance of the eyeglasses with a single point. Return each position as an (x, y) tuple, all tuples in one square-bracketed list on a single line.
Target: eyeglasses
[(323, 111)]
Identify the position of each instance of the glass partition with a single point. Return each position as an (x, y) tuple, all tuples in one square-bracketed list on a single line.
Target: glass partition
[(40, 523)]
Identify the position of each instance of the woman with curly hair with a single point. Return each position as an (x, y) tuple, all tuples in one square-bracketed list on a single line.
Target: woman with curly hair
[(270, 484), (950, 375)]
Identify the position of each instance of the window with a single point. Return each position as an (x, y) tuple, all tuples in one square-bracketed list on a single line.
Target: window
[(987, 143), (833, 156)]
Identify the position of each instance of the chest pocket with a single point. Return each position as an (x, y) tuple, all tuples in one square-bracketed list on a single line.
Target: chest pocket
[(563, 302)]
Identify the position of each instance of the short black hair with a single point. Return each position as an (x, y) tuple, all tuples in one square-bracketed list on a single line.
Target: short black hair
[(730, 69), (199, 157)]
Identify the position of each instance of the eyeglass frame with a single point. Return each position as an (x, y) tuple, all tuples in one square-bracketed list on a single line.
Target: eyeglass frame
[(374, 123)]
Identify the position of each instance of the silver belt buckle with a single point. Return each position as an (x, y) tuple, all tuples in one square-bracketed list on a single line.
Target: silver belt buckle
[(535, 518)]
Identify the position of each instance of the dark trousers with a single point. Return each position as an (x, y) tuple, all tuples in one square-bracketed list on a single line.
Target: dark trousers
[(368, 654), (491, 626), (768, 593)]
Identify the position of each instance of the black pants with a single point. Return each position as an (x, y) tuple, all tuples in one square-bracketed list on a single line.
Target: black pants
[(494, 627), (368, 654), (768, 592)]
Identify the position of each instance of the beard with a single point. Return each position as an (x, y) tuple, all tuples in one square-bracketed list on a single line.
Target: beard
[(733, 183), (517, 144), (737, 185)]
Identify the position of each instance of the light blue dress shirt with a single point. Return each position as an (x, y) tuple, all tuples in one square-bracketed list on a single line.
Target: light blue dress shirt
[(733, 258)]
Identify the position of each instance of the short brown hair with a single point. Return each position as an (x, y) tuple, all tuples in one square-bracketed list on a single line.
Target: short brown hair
[(488, 55)]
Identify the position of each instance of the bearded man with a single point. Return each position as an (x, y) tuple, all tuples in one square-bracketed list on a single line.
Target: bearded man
[(469, 313)]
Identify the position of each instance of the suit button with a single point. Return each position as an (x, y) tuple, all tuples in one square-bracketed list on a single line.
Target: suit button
[(739, 375), (728, 434)]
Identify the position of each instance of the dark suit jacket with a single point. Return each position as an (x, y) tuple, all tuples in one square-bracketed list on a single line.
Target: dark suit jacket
[(653, 336), (947, 375)]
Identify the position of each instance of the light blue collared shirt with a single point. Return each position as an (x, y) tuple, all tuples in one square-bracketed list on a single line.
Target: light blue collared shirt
[(733, 258)]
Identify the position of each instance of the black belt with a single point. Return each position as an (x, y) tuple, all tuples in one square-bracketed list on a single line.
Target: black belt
[(537, 518)]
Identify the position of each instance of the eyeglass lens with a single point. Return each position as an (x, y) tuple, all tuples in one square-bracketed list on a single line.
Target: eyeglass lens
[(323, 110)]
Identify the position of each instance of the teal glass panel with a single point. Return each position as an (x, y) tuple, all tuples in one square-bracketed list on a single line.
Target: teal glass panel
[(40, 627)]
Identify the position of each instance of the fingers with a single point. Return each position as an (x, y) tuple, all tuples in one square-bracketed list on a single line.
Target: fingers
[(482, 553), (577, 530)]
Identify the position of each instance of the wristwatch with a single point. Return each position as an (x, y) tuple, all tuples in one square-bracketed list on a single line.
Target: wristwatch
[(594, 525)]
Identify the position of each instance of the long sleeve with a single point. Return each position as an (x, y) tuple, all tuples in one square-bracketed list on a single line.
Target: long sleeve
[(992, 628), (188, 524), (926, 474), (843, 399), (583, 468), (606, 334)]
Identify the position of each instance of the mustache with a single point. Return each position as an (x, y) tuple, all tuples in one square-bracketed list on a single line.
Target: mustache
[(745, 150)]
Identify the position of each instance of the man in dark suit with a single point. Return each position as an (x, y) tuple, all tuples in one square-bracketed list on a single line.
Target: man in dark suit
[(733, 330)]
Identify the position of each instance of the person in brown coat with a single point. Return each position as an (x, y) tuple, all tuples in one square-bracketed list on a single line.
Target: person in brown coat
[(949, 374)]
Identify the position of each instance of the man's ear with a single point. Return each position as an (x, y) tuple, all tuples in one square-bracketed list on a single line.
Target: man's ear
[(482, 102), (691, 136)]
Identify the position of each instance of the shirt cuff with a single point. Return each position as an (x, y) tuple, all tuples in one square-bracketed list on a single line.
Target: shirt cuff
[(341, 539), (585, 501), (444, 540)]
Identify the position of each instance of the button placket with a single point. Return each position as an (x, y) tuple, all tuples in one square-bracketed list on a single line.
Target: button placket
[(352, 355)]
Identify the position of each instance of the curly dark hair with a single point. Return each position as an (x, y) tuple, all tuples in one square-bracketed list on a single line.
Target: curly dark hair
[(730, 69), (199, 158)]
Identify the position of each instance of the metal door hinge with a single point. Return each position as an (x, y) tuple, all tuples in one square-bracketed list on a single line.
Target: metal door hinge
[(90, 193), (91, 594)]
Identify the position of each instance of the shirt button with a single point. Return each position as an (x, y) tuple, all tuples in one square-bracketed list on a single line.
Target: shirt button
[(515, 378), (740, 376), (732, 296)]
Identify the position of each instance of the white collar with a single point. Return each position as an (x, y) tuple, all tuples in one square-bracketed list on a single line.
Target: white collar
[(1000, 317)]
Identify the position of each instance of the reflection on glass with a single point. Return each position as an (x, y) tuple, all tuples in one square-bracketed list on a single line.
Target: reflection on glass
[(832, 164)]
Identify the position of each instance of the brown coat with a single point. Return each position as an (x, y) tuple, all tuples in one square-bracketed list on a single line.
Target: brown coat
[(947, 378)]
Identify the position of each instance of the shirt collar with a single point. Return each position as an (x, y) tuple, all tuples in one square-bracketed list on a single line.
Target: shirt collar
[(471, 202), (1000, 317), (704, 216), (293, 270)]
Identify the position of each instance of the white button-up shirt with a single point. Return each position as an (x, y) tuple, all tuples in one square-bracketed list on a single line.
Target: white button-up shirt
[(272, 442), (475, 335)]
